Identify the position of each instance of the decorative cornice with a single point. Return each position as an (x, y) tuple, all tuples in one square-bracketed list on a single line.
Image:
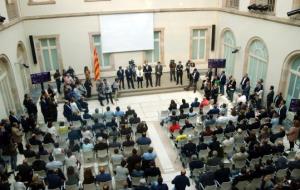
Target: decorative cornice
[(223, 10)]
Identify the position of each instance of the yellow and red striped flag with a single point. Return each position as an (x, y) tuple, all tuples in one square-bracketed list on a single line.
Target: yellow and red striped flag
[(96, 64)]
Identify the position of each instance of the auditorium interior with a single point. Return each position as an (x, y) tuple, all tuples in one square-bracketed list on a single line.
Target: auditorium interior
[(205, 92)]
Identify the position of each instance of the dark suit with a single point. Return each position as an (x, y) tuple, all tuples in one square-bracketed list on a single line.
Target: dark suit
[(222, 175), (68, 112), (277, 100), (129, 78), (282, 114), (195, 164), (270, 98), (14, 119), (148, 75), (179, 73), (189, 149), (246, 91), (244, 82), (158, 73), (294, 164), (195, 78), (222, 83), (120, 74), (207, 178)]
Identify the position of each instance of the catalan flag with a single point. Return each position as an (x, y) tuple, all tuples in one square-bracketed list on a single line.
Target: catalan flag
[(96, 65)]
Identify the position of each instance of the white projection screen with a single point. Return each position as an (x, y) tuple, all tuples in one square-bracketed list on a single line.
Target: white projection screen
[(126, 32)]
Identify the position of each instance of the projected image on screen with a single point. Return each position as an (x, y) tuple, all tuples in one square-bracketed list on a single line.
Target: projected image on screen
[(127, 32)]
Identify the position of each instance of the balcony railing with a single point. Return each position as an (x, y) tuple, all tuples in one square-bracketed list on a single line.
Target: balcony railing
[(232, 4), (262, 6)]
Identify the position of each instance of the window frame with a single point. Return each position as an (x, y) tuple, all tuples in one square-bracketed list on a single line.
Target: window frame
[(111, 65), (34, 2), (259, 59), (39, 50), (291, 72), (161, 48), (208, 30), (229, 46)]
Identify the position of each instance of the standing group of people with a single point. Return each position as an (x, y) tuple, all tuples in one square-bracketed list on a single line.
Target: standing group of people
[(132, 75)]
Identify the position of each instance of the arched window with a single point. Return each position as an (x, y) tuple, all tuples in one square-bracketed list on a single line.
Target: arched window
[(257, 62), (6, 95), (228, 46), (293, 90)]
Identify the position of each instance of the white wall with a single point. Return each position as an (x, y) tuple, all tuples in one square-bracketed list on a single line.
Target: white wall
[(9, 39), (282, 7), (280, 41), (80, 6), (73, 37)]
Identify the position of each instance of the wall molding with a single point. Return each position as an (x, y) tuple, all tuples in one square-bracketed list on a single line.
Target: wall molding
[(269, 18)]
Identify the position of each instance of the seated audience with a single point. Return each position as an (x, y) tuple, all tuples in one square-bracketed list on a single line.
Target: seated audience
[(143, 140), (103, 176), (88, 177)]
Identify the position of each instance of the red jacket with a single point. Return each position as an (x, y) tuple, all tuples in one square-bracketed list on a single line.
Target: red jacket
[(173, 128)]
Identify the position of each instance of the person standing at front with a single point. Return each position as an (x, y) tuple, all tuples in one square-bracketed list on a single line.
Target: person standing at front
[(172, 67), (108, 91), (148, 74), (57, 78), (158, 73), (179, 73), (140, 76), (222, 82), (129, 77), (120, 75)]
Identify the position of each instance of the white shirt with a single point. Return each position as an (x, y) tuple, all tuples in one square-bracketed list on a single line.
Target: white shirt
[(74, 108), (87, 134), (259, 94), (71, 161), (140, 73), (52, 131), (228, 142), (57, 151), (242, 99), (222, 120)]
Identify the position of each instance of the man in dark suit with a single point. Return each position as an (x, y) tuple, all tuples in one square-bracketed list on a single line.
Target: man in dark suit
[(172, 67), (67, 111), (158, 73), (278, 98), (246, 90), (189, 149), (179, 72), (244, 81), (270, 97), (222, 82), (13, 118), (294, 164), (282, 111), (195, 163), (120, 75), (222, 174), (129, 77), (194, 79), (148, 74)]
